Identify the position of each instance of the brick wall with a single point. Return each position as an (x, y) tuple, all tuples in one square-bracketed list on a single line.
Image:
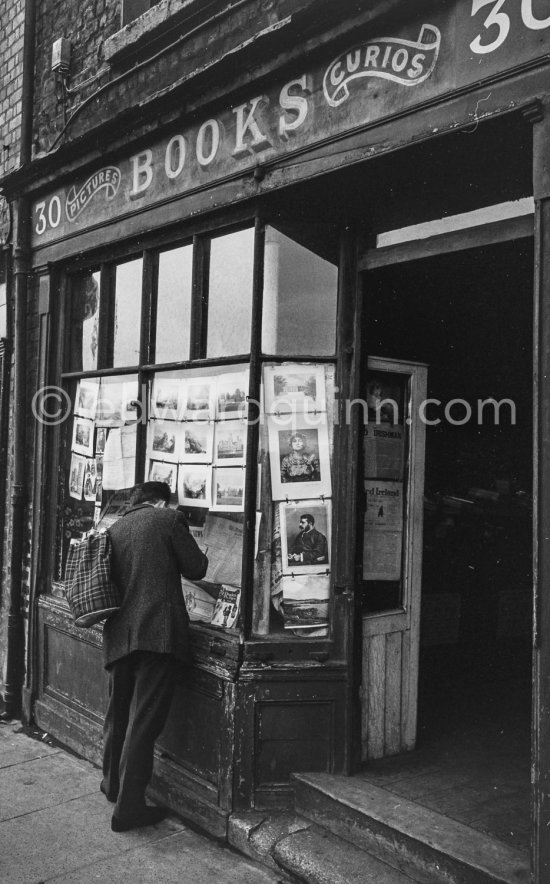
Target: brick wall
[(11, 82)]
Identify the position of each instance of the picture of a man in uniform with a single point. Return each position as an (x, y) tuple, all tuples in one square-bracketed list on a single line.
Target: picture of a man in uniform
[(309, 547)]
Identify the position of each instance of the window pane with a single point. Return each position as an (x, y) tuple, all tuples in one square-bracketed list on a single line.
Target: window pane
[(230, 294), (300, 293), (174, 305), (127, 313), (84, 321), (3, 297)]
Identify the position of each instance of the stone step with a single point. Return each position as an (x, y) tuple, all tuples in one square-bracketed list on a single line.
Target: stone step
[(429, 847)]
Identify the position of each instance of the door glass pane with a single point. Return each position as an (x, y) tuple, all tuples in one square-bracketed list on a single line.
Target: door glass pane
[(230, 294), (174, 305), (127, 313), (300, 294), (84, 306)]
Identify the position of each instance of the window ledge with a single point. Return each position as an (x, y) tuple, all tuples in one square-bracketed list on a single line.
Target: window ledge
[(148, 26)]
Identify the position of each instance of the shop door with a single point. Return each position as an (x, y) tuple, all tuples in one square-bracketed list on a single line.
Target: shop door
[(390, 553)]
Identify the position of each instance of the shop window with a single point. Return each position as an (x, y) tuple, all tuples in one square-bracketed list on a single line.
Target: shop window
[(84, 322), (187, 423), (3, 297), (175, 279), (128, 283), (300, 290), (230, 294)]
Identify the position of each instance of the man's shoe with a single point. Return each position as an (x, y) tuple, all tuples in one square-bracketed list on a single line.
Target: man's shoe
[(111, 798), (149, 816)]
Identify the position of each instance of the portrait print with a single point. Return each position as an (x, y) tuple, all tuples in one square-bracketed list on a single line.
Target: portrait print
[(294, 388), (83, 436), (305, 536), (195, 485), (90, 479), (299, 457), (76, 476), (229, 489)]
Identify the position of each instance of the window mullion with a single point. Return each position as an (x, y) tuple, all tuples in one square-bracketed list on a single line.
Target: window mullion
[(199, 304)]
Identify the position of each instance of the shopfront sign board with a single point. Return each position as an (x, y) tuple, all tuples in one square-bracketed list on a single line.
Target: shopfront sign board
[(459, 45)]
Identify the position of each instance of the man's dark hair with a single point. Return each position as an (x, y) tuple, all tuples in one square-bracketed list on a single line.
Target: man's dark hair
[(148, 492), (309, 518)]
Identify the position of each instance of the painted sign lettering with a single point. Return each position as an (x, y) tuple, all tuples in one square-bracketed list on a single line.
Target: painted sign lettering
[(404, 61), (497, 25), (107, 179)]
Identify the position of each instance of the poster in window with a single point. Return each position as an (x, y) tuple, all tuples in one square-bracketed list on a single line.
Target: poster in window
[(109, 411), (87, 395), (159, 471), (100, 438), (383, 532), (76, 476), (305, 601), (198, 440), (293, 388), (384, 451), (83, 436), (195, 485), (163, 437), (299, 457), (229, 489), (230, 443), (305, 536), (222, 540), (232, 396), (119, 458), (167, 398), (199, 399), (226, 609)]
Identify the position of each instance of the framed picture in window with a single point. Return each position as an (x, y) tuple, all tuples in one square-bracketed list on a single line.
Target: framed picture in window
[(87, 395), (163, 440), (199, 399), (230, 443), (83, 436), (232, 395), (305, 536), (167, 398), (159, 471), (228, 495), (195, 485)]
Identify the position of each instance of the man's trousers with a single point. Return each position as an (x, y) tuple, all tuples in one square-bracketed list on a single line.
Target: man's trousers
[(141, 688)]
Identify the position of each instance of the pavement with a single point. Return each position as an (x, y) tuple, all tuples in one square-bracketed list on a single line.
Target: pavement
[(55, 827)]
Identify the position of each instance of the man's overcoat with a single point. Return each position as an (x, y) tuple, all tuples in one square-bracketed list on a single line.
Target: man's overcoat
[(152, 548)]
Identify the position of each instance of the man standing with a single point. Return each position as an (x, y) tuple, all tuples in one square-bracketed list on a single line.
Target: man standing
[(309, 547), (144, 644)]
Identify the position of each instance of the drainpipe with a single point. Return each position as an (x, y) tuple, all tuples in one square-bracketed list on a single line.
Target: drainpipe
[(21, 270)]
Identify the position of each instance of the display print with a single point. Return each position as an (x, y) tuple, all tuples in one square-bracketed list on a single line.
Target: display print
[(198, 438), (305, 601), (294, 388), (163, 440), (230, 442), (199, 603), (222, 540), (199, 399), (195, 485), (100, 438), (228, 494), (167, 398), (90, 479), (87, 395), (110, 410), (232, 396), (384, 399), (305, 536), (300, 460), (384, 451), (160, 471), (119, 457), (83, 436), (76, 476), (383, 532), (226, 609)]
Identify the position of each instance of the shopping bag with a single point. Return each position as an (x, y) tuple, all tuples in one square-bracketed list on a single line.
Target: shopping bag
[(91, 592)]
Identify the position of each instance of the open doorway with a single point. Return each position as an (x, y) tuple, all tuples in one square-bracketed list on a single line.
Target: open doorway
[(469, 316)]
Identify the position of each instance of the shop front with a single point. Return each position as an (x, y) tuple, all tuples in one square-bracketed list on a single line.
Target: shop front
[(237, 302)]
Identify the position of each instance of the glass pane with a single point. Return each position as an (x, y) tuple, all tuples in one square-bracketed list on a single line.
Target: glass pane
[(300, 294), (127, 313), (84, 322), (3, 297), (174, 305), (230, 294)]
